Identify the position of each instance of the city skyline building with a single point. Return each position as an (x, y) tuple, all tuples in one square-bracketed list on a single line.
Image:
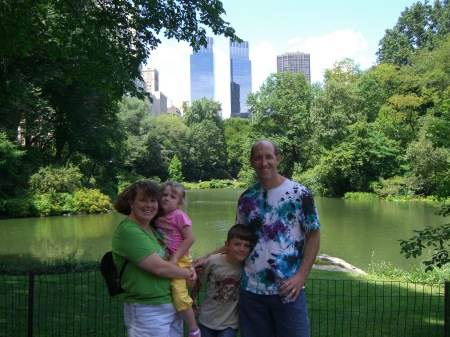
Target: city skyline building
[(240, 78), (202, 72), (159, 104), (295, 62), (151, 79)]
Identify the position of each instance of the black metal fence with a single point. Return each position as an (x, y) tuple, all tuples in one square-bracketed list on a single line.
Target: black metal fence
[(77, 304)]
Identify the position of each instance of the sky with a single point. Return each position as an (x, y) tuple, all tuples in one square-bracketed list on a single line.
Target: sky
[(329, 30)]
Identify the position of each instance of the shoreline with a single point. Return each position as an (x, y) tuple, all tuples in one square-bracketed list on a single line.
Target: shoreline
[(336, 264)]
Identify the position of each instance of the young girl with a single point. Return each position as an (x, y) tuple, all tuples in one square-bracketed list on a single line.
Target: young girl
[(176, 229)]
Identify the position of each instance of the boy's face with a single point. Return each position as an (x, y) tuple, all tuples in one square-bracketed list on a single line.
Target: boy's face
[(238, 250)]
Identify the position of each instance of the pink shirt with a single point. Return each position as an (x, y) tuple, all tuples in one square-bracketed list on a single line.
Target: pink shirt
[(170, 225)]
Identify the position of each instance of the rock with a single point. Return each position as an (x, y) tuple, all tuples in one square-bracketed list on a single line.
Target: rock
[(336, 264)]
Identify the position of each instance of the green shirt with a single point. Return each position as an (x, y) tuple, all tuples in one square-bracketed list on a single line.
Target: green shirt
[(132, 242)]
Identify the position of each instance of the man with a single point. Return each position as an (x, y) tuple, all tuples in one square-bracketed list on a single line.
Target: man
[(283, 218)]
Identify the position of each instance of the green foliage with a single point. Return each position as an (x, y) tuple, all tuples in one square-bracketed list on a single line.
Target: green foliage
[(361, 195), (83, 200), (237, 131), (18, 208), (58, 89), (176, 170), (88, 200), (216, 184), (56, 180), (435, 238), (280, 111), (203, 109), (247, 175), (394, 186), (419, 27), (310, 179), (352, 165), (54, 203), (205, 158), (10, 166), (386, 271)]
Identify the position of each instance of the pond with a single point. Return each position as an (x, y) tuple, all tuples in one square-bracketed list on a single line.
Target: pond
[(359, 231)]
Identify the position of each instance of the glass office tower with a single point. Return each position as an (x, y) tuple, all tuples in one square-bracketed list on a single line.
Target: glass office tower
[(202, 72), (240, 78)]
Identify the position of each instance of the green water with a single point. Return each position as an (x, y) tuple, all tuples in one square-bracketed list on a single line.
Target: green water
[(360, 232)]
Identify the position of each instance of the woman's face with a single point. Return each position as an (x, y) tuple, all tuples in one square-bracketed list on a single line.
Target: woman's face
[(144, 208)]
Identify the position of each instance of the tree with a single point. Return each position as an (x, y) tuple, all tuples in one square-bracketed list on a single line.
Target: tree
[(335, 107), (419, 27), (10, 164), (171, 133), (206, 157), (60, 88), (204, 153), (363, 157), (436, 238), (204, 109), (175, 170), (280, 111), (236, 137)]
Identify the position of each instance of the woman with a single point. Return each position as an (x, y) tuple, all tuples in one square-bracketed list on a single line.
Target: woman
[(148, 308)]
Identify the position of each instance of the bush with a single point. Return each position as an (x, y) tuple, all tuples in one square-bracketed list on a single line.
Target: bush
[(52, 203), (309, 179), (361, 195), (84, 200), (394, 186), (18, 208), (215, 184), (56, 180), (90, 200)]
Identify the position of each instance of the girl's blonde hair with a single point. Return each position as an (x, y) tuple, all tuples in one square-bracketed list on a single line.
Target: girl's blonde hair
[(176, 188)]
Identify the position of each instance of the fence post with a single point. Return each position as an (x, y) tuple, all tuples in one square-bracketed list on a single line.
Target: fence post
[(30, 302), (447, 309)]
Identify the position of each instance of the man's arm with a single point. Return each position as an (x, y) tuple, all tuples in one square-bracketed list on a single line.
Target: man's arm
[(297, 281)]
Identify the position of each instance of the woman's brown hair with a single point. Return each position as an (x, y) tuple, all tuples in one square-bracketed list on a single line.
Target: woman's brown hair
[(148, 188)]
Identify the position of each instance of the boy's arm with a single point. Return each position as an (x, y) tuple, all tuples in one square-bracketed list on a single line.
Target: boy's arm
[(196, 290), (188, 240), (198, 263)]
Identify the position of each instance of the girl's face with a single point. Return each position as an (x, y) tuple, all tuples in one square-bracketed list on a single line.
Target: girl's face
[(144, 208), (170, 201)]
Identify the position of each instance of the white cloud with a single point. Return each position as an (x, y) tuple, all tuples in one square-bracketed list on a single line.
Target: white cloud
[(171, 59), (327, 49), (264, 63)]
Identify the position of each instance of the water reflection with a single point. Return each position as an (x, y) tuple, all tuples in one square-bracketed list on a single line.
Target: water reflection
[(351, 229)]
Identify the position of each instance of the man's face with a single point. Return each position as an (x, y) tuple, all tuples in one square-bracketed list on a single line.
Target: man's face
[(264, 161)]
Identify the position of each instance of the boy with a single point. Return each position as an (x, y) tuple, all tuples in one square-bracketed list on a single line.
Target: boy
[(222, 276)]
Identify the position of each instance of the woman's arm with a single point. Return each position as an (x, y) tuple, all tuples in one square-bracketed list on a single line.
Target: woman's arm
[(155, 265)]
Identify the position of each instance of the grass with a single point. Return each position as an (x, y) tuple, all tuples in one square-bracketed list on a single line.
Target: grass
[(71, 300)]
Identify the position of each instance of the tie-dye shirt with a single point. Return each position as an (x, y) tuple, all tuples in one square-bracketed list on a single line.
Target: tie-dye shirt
[(279, 219)]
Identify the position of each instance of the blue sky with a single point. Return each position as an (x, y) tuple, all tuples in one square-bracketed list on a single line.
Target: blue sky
[(330, 30)]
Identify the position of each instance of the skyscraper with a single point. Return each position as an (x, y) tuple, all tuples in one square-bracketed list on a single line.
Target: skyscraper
[(151, 78), (202, 72), (295, 62), (240, 78)]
